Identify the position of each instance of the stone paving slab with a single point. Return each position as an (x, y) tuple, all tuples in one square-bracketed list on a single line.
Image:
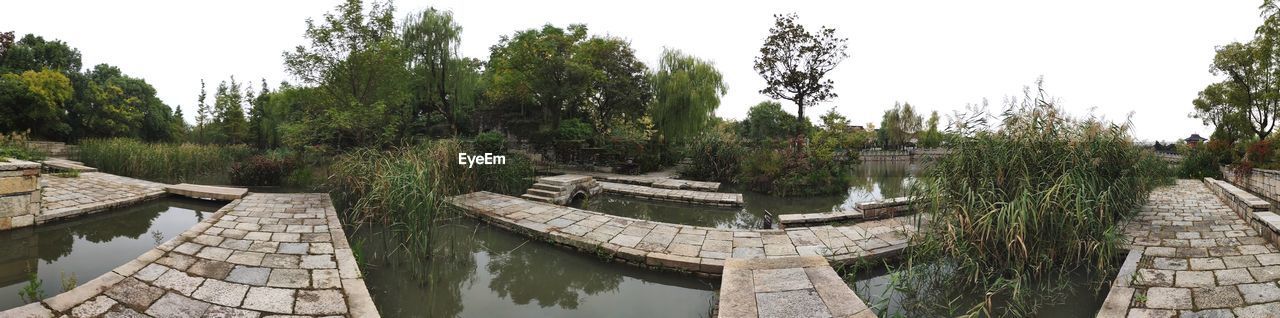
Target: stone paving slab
[(206, 191), (1197, 259), (687, 196), (68, 165), (241, 262), (695, 249), (92, 192), (652, 181), (799, 286)]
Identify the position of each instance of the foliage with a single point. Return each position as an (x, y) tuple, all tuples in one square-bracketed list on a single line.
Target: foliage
[(574, 129), (163, 162), (932, 137), (407, 187), (533, 78), (899, 125), (619, 85), (767, 121), (491, 142), (713, 157), (794, 63), (785, 171), (836, 138), (15, 146), (1245, 100), (356, 62), (1029, 202), (261, 170), (33, 291), (43, 86), (687, 91), (1205, 162), (443, 83)]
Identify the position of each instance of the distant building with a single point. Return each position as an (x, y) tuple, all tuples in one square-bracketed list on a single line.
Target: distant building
[(1194, 140)]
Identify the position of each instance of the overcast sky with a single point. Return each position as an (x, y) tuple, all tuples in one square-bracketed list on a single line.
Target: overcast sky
[(1112, 57)]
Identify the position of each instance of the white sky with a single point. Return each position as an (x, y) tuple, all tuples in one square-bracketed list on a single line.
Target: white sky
[(1116, 57)]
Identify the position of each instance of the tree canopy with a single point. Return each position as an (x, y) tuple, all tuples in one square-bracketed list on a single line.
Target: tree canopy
[(687, 91), (794, 63)]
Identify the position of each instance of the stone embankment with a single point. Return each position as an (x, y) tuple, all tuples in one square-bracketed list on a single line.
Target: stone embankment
[(20, 193), (699, 250), (685, 196), (802, 286), (864, 211)]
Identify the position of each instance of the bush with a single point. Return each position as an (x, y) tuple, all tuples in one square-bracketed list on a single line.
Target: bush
[(262, 170), (1202, 162), (15, 146), (785, 171), (713, 157), (574, 129), (491, 142)]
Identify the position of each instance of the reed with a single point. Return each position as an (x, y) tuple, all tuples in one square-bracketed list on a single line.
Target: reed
[(407, 188), (1012, 210), (163, 162)]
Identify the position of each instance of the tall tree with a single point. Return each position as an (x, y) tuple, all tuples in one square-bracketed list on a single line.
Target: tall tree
[(431, 39), (619, 88), (34, 53), (533, 78), (1247, 96), (203, 114), (794, 63), (34, 102), (687, 91), (229, 120)]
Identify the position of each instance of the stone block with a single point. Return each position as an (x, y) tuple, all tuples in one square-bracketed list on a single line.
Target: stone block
[(19, 184)]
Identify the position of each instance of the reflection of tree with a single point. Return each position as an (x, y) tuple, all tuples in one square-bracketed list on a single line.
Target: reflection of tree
[(56, 239), (525, 275)]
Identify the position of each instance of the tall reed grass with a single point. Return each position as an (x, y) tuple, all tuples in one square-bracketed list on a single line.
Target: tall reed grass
[(163, 162), (1012, 210), (407, 188)]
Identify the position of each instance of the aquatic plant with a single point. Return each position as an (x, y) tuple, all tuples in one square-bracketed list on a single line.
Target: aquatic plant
[(68, 282), (1013, 210), (33, 291), (163, 162), (407, 188)]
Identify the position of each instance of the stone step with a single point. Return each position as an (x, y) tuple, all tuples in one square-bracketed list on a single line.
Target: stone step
[(543, 193), (532, 197), (548, 187), (562, 180)]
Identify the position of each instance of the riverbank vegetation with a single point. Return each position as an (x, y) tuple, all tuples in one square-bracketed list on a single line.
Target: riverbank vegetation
[(1016, 208), (163, 162)]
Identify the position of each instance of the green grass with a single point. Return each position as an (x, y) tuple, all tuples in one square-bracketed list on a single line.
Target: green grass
[(68, 174), (164, 162), (1013, 210)]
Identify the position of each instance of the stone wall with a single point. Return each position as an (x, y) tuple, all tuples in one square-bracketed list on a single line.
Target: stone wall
[(19, 193), (1261, 181), (902, 155), (50, 148), (1250, 208)]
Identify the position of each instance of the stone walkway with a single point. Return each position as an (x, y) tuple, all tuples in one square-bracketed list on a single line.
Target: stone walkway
[(1198, 259), (803, 286), (267, 255), (686, 196), (695, 249), (92, 191), (656, 180)]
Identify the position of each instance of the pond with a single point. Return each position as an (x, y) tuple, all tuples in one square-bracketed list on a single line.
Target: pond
[(89, 246), (872, 181), (490, 272)]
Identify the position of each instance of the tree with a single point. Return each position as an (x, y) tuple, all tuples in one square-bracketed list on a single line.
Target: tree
[(794, 63), (228, 113), (356, 61), (203, 114), (767, 121), (1246, 98), (34, 53), (431, 38), (899, 124), (620, 87), (533, 79), (687, 91), (932, 137), (34, 102)]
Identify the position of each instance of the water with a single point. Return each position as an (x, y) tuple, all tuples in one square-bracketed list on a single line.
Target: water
[(490, 272), (872, 181), (91, 245)]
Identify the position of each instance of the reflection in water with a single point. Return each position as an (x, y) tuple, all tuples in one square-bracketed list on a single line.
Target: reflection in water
[(874, 181), (91, 245), (484, 271)]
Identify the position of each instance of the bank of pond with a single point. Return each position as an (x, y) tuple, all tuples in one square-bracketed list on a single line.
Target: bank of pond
[(478, 270)]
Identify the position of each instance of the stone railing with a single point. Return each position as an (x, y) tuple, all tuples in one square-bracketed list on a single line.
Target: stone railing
[(1251, 208), (1261, 181), (19, 193), (902, 155)]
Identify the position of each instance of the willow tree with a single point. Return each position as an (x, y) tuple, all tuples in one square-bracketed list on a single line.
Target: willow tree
[(794, 63), (431, 39), (687, 91)]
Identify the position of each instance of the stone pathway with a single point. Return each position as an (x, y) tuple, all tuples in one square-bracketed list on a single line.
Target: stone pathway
[(686, 196), (660, 180), (803, 286), (207, 192), (1198, 259), (267, 255), (90, 192), (700, 250)]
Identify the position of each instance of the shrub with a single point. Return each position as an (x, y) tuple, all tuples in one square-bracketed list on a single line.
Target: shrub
[(575, 129), (491, 142), (785, 171), (1202, 162), (713, 157), (261, 170), (15, 146)]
